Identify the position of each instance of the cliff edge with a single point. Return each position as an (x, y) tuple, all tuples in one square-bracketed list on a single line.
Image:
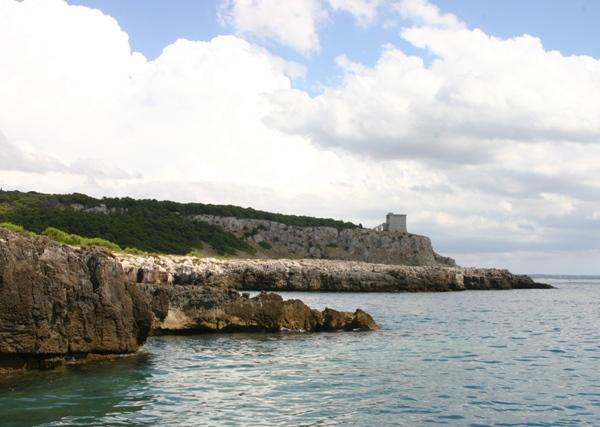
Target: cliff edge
[(275, 240)]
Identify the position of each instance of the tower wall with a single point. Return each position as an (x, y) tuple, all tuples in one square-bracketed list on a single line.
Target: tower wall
[(396, 222)]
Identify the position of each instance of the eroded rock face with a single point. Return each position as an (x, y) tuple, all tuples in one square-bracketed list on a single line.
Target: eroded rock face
[(197, 309), (56, 300), (317, 275), (58, 303), (356, 244)]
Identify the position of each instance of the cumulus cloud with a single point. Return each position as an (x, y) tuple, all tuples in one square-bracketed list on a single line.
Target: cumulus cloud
[(427, 13), (490, 147), (479, 94), (364, 11), (195, 114), (291, 23)]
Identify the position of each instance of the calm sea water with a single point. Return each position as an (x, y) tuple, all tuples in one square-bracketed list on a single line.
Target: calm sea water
[(529, 357)]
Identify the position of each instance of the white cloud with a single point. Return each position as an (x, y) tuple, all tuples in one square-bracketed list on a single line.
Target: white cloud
[(291, 23), (426, 13), (364, 11), (192, 115), (14, 159), (479, 96), (559, 204), (482, 148)]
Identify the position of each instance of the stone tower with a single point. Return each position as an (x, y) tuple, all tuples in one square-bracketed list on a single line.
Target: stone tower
[(395, 222)]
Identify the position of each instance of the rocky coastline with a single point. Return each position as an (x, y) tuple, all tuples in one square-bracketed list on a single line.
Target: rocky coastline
[(60, 304), (316, 275)]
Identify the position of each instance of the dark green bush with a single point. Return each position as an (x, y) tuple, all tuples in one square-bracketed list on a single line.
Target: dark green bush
[(148, 225), (265, 245)]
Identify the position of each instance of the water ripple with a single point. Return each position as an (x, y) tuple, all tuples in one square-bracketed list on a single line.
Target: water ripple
[(477, 358)]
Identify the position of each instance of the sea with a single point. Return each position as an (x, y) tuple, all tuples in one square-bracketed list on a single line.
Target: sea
[(475, 358)]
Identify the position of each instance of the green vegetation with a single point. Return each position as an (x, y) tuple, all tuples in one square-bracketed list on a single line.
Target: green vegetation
[(195, 253), (147, 226), (265, 245), (134, 251), (71, 239), (16, 228), (74, 239)]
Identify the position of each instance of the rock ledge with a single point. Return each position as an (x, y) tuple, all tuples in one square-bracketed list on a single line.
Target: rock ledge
[(62, 304), (317, 275)]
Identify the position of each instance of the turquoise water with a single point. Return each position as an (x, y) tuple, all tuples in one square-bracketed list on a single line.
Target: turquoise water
[(528, 357)]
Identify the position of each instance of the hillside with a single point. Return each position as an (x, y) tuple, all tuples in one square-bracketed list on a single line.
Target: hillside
[(148, 225), (205, 230)]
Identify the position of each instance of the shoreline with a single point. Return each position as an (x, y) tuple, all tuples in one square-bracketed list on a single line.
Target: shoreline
[(59, 302), (313, 275)]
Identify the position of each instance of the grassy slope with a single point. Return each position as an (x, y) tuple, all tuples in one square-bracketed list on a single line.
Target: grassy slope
[(149, 225)]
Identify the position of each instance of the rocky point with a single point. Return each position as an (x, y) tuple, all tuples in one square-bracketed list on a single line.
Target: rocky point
[(60, 304)]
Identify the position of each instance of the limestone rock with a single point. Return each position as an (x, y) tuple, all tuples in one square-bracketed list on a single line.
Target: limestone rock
[(193, 309), (317, 275), (59, 303), (352, 244), (57, 300)]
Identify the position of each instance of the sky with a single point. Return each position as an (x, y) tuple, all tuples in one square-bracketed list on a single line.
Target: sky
[(478, 119)]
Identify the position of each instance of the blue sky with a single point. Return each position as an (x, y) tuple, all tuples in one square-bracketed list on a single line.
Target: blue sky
[(570, 26), (473, 117)]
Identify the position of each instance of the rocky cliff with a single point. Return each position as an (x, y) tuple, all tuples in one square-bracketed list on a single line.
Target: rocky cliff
[(276, 240), (56, 300), (316, 275), (59, 304)]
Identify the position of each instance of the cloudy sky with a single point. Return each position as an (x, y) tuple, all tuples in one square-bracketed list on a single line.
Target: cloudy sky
[(479, 119)]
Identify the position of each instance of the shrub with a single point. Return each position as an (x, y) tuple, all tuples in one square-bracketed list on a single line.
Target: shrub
[(62, 237), (134, 251), (15, 228), (97, 241), (195, 253), (265, 245), (74, 239)]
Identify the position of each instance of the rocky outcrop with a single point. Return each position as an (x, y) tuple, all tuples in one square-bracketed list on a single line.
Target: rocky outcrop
[(201, 309), (276, 240), (59, 304), (57, 301), (317, 275)]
